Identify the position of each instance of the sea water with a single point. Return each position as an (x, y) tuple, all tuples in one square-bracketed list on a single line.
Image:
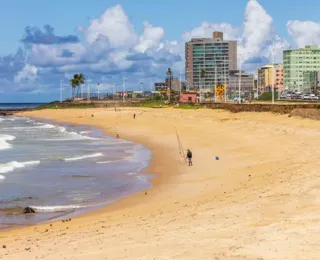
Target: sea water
[(61, 170)]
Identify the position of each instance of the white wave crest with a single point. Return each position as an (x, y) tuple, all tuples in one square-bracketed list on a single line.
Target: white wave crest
[(47, 126), (85, 132), (43, 126), (83, 157), (3, 141), (2, 177), (82, 137), (11, 166), (61, 129), (106, 162), (47, 209)]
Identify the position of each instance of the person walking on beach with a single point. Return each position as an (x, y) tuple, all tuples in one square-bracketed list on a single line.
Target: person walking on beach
[(189, 157), (117, 134), (134, 116)]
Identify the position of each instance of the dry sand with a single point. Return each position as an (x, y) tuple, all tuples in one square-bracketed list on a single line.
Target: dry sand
[(259, 201)]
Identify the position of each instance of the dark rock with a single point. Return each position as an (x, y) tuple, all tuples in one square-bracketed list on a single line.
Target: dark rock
[(28, 210), (4, 246)]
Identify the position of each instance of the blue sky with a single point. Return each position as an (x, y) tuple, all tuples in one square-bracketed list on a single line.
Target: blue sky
[(35, 74)]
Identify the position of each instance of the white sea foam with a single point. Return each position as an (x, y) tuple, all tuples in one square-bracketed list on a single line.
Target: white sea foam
[(11, 166), (47, 209), (106, 162), (82, 137), (61, 129), (3, 141), (2, 177), (83, 157), (6, 119), (85, 132), (42, 126)]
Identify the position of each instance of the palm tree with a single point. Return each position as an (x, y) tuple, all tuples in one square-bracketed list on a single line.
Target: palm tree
[(73, 84), (203, 75), (169, 74), (77, 80)]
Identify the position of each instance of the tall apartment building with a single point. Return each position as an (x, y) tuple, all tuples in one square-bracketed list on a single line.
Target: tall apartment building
[(213, 55), (297, 63), (265, 78), (311, 81)]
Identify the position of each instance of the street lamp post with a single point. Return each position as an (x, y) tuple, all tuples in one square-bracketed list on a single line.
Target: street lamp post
[(88, 86), (61, 83), (215, 82), (240, 60), (123, 87), (272, 78), (98, 87), (180, 86)]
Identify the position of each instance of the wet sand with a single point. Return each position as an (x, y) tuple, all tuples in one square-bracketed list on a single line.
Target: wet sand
[(258, 201)]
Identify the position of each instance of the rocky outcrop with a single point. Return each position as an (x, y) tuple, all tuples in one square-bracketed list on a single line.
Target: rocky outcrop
[(28, 210)]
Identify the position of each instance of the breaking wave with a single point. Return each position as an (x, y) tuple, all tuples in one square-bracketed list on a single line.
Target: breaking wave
[(83, 157), (48, 209), (3, 141), (11, 166)]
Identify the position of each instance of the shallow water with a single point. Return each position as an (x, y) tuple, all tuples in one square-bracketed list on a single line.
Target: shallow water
[(61, 169)]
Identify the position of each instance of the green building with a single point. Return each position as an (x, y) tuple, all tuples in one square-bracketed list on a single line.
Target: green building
[(298, 67)]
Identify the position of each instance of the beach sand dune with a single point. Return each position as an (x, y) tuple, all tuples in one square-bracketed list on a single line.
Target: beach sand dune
[(260, 200)]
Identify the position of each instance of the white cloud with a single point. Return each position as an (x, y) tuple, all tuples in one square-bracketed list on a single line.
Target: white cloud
[(115, 25), (258, 30), (304, 32), (112, 47), (206, 29), (150, 38), (28, 73)]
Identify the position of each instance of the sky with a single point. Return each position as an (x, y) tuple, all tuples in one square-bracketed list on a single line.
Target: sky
[(111, 42)]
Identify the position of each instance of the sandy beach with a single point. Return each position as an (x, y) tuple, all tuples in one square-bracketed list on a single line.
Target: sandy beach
[(260, 200)]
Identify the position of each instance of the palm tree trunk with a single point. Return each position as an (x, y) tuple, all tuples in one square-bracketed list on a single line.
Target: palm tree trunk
[(73, 93), (78, 91)]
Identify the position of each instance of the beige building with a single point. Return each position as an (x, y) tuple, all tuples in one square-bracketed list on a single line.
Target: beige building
[(175, 85), (265, 78), (213, 55), (247, 83)]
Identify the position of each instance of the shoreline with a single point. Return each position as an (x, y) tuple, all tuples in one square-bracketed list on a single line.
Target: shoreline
[(99, 205), (263, 189), (156, 181)]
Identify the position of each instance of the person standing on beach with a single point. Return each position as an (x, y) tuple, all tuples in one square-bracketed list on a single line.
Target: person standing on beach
[(134, 116), (189, 157), (117, 134)]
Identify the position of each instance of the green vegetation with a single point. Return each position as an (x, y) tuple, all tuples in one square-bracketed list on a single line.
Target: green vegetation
[(152, 103), (58, 105), (268, 96), (187, 106)]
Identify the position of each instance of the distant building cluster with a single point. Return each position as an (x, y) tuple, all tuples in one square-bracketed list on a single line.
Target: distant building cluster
[(213, 61)]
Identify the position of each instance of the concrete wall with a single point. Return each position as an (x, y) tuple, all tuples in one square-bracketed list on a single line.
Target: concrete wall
[(277, 108)]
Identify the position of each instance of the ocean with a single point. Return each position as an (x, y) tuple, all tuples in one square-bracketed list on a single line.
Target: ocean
[(17, 106), (62, 170)]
